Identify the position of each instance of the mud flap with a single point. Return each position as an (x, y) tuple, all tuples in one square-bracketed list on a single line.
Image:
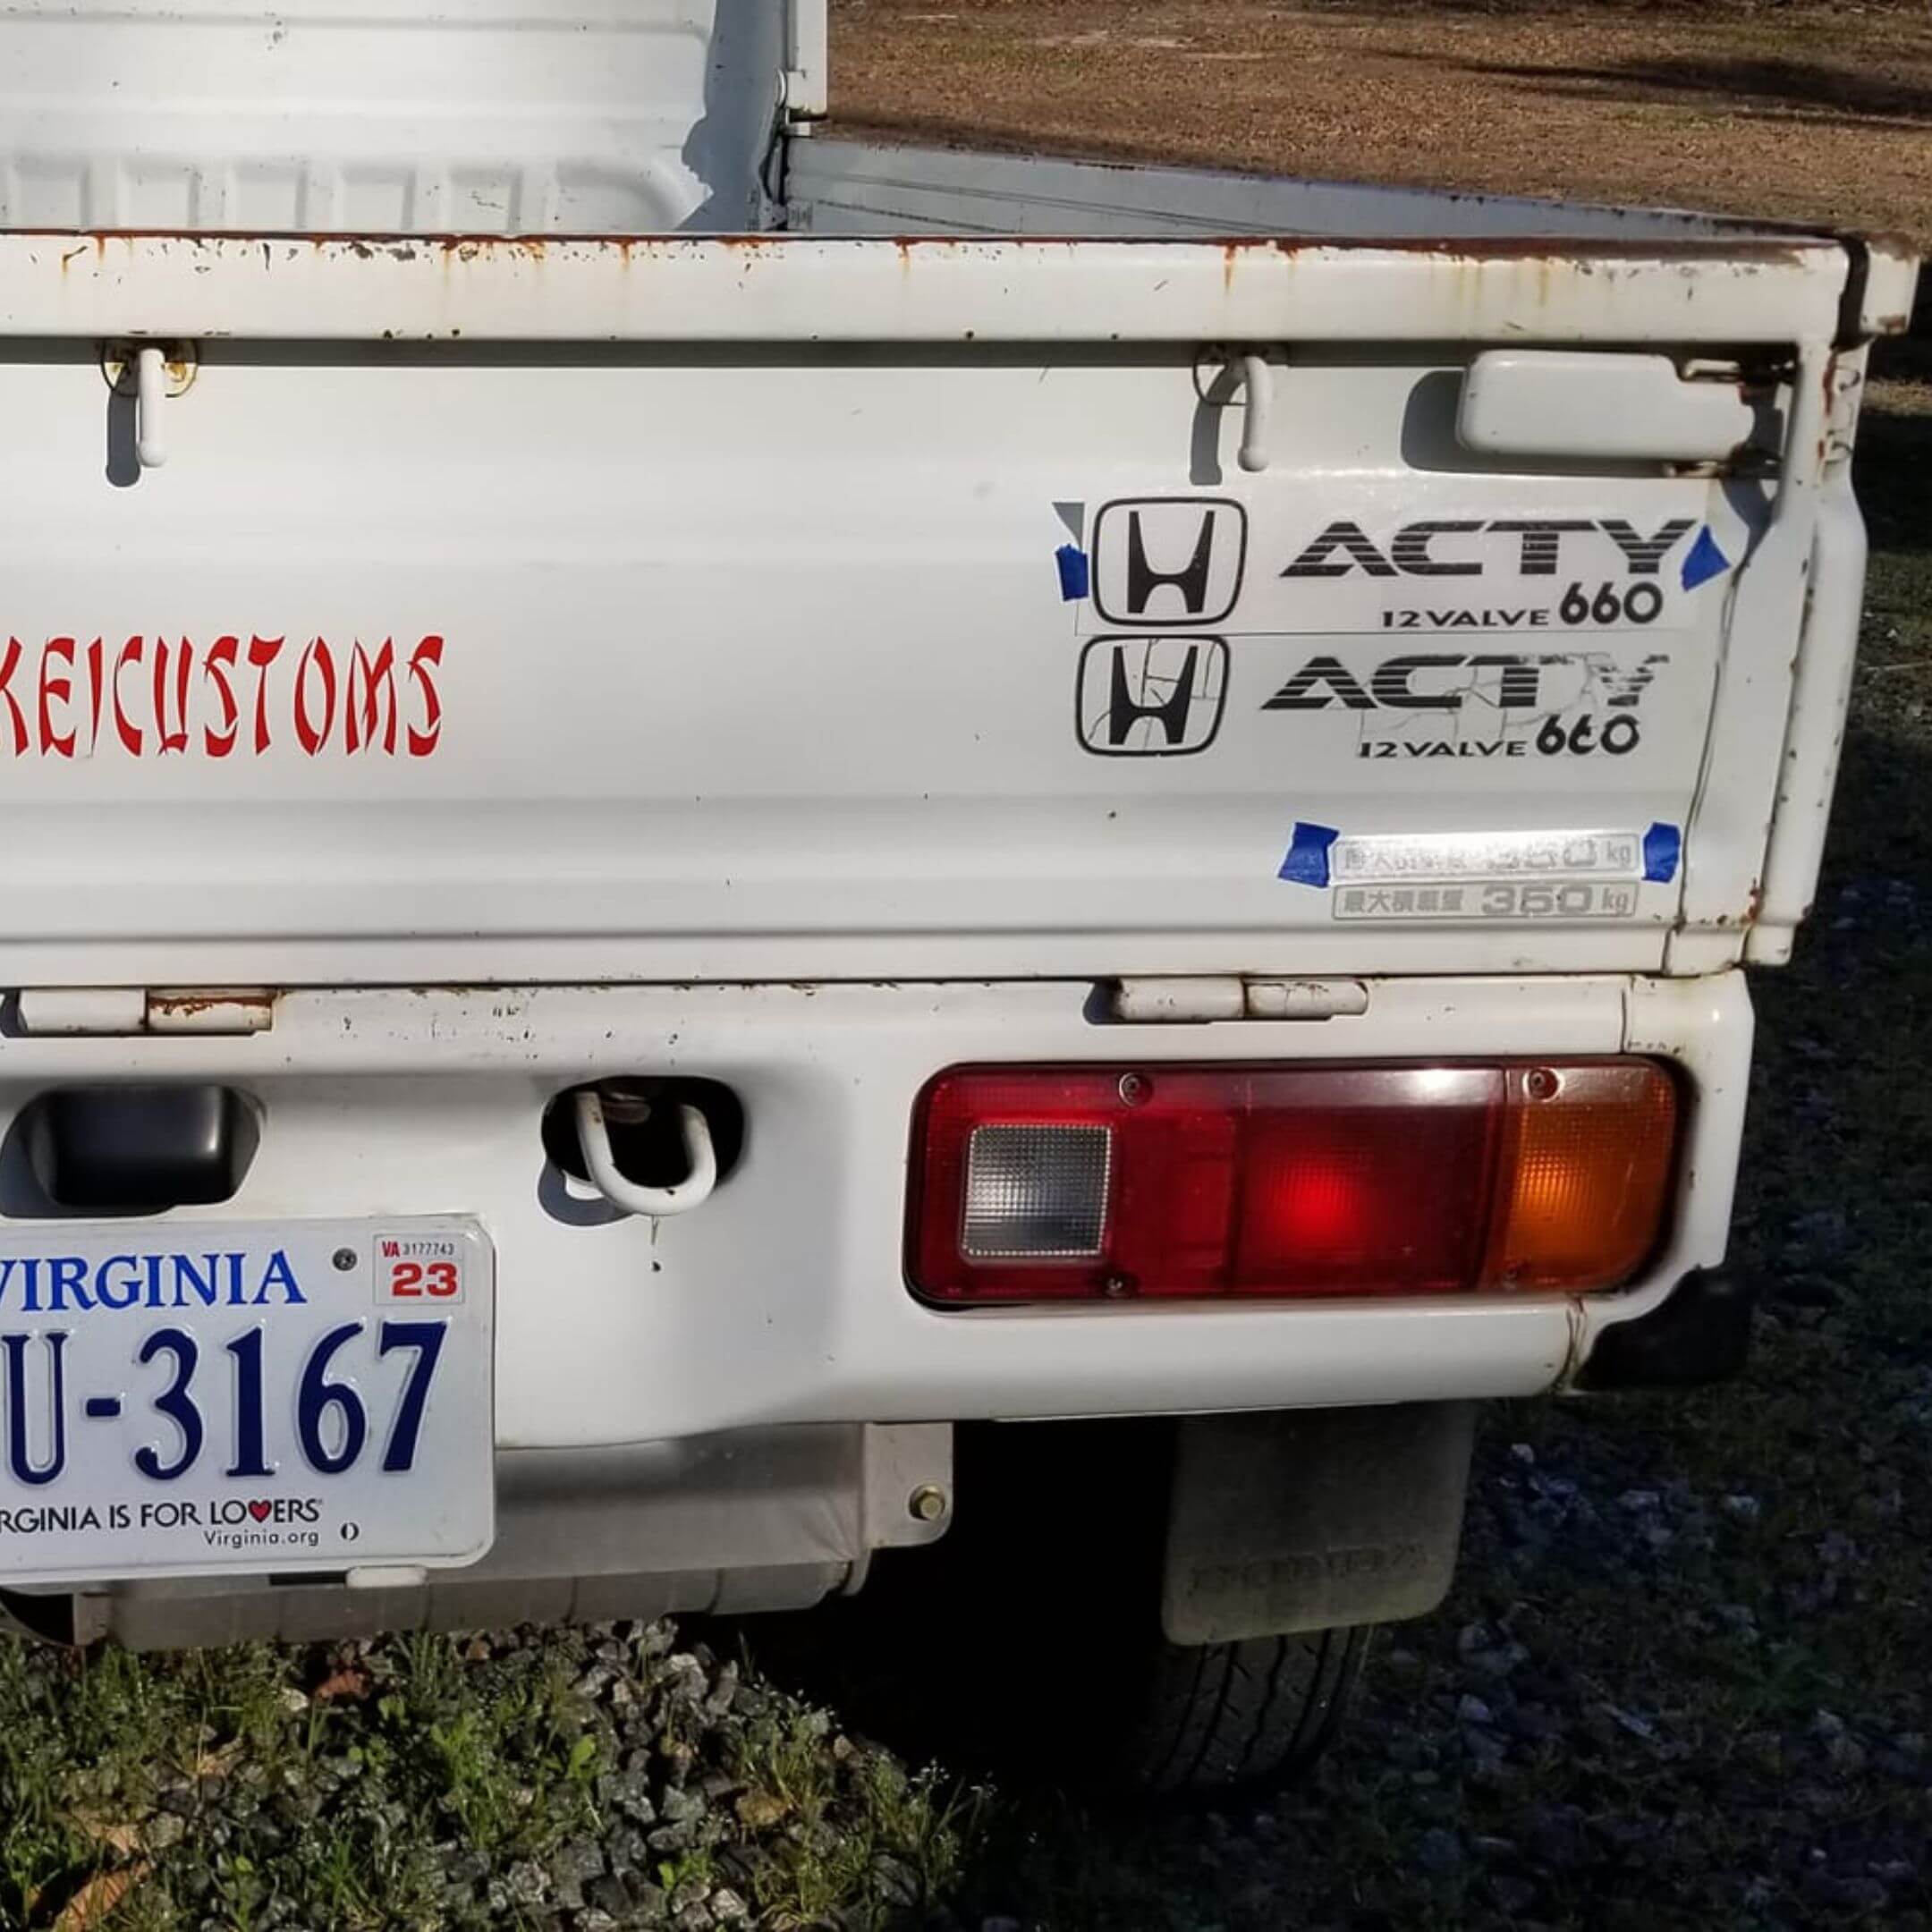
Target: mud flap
[(1314, 1520)]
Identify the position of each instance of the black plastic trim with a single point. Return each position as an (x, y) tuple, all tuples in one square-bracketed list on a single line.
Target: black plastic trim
[(140, 1148), (1701, 1334)]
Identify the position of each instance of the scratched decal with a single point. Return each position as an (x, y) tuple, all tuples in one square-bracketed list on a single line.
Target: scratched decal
[(1488, 706), (232, 697), (1513, 876), (1456, 855)]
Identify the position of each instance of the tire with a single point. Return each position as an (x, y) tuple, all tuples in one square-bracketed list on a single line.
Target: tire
[(1234, 1715), (1044, 1603)]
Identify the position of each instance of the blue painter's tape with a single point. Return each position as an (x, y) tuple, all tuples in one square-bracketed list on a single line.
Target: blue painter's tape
[(1075, 575), (1707, 560), (1663, 853), (1307, 864)]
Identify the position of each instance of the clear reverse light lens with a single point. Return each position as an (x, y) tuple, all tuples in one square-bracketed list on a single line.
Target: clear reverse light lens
[(1037, 1192)]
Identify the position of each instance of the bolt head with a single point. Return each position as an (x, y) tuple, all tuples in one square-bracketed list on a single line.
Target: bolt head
[(345, 1259), (927, 1504)]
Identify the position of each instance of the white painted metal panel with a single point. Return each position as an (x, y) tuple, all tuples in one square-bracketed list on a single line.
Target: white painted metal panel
[(564, 289), (389, 115), (784, 1299), (672, 694), (717, 649)]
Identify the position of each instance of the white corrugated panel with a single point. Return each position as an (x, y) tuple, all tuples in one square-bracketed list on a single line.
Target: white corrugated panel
[(381, 117)]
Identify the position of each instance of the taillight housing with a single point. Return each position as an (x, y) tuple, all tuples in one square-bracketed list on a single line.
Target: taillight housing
[(1071, 1183)]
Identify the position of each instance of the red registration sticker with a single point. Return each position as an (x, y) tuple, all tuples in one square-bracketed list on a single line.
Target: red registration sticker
[(419, 1269)]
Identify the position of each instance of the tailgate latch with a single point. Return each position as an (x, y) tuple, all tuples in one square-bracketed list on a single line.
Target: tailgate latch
[(1192, 1002)]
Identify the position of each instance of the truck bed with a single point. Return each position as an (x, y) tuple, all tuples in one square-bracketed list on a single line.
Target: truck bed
[(753, 607)]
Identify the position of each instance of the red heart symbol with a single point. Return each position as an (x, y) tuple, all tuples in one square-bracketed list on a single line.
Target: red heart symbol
[(261, 1511)]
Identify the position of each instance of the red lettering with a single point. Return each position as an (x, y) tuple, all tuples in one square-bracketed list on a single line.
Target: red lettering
[(8, 665), (424, 662), (76, 689), (372, 692), (317, 656), (177, 738), (56, 689), (215, 666), (131, 652), (262, 652), (97, 690)]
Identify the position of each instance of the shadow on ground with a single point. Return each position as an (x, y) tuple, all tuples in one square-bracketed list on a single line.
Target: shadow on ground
[(1810, 89)]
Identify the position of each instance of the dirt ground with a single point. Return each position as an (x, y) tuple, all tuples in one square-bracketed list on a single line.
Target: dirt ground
[(1803, 111)]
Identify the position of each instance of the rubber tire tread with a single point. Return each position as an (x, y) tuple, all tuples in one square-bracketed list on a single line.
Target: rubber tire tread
[(1257, 1713)]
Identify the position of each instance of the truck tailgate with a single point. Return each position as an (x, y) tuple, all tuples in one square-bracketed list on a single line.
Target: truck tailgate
[(525, 609)]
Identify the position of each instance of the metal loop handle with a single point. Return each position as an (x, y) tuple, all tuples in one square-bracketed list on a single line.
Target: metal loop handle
[(652, 1204), (1259, 384)]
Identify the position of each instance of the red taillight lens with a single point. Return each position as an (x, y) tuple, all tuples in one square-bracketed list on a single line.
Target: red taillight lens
[(1068, 1183)]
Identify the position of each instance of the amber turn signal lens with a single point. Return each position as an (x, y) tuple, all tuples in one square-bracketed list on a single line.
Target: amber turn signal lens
[(1586, 1174)]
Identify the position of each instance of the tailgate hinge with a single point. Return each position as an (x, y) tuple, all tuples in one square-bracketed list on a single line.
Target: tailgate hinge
[(1191, 1001), (803, 87), (112, 1011)]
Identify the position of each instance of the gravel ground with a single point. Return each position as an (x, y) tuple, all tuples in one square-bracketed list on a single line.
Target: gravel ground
[(564, 1782)]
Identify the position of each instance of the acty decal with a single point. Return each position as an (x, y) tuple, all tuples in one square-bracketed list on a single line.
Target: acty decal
[(1453, 546), (1393, 685), (151, 696)]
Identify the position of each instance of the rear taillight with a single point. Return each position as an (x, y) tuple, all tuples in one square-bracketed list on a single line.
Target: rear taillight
[(1198, 1182)]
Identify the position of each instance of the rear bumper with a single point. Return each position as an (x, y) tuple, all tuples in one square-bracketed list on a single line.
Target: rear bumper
[(783, 1302), (763, 1520)]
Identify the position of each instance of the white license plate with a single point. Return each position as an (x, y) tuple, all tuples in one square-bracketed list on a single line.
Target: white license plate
[(202, 1397)]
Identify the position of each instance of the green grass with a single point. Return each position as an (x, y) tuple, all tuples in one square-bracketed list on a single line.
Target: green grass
[(231, 1792)]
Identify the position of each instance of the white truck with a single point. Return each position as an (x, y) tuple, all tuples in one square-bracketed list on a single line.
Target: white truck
[(696, 814)]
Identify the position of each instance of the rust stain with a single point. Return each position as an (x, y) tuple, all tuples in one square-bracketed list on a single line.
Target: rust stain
[(190, 1005), (1758, 249), (1750, 253)]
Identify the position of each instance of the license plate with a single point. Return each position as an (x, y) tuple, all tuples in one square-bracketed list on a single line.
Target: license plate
[(204, 1397)]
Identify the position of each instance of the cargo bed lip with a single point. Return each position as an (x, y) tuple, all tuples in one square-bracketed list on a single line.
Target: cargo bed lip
[(1753, 243), (173, 286)]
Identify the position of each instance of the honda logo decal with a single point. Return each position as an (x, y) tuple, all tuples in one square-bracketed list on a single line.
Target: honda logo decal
[(1160, 697), (1169, 562)]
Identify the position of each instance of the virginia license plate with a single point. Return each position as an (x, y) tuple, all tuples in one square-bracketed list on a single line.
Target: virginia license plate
[(204, 1397)]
